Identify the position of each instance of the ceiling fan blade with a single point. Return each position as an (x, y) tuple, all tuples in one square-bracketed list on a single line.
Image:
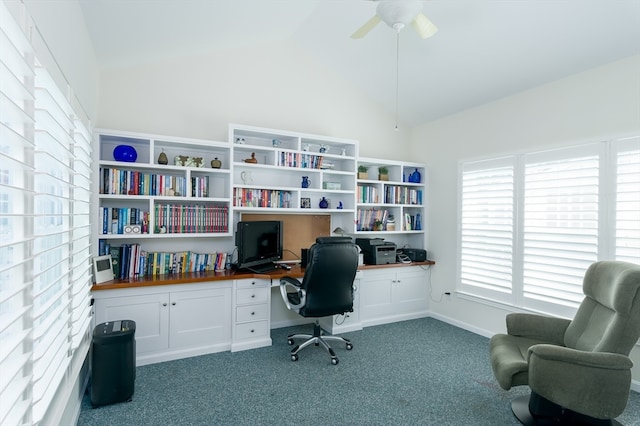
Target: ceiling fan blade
[(368, 26), (423, 26)]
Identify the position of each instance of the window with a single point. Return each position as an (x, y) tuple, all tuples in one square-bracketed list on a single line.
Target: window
[(45, 264), (531, 224)]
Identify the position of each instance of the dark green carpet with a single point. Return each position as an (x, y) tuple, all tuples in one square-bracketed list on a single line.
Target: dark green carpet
[(419, 372)]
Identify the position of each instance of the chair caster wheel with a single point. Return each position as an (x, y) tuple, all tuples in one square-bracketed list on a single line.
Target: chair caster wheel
[(349, 346), (294, 357), (334, 361), (290, 342)]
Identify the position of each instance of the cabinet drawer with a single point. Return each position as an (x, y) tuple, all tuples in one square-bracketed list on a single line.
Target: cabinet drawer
[(252, 313), (252, 330), (252, 295), (252, 283)]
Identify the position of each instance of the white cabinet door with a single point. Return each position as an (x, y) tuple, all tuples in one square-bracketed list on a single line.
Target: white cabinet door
[(376, 294), (150, 312), (200, 317), (393, 295), (410, 291)]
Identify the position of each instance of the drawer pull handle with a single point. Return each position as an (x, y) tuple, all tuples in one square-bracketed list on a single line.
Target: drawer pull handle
[(253, 313), (173, 304), (164, 304), (253, 296), (253, 331)]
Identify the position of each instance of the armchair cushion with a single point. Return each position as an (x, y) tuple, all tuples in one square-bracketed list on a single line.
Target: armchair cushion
[(592, 383)]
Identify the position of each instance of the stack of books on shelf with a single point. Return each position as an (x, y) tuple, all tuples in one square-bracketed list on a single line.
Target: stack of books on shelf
[(244, 197), (115, 219), (298, 159), (132, 182), (368, 194), (403, 195), (367, 218), (182, 219), (130, 261)]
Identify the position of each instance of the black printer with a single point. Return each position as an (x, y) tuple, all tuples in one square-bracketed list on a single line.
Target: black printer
[(377, 251)]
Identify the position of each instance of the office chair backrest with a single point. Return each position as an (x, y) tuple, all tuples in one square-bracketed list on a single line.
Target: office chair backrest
[(328, 278), (608, 320)]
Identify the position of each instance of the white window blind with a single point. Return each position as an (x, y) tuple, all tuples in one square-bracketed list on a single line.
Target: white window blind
[(564, 216), (627, 218), (487, 220), (560, 225), (45, 163), (16, 185)]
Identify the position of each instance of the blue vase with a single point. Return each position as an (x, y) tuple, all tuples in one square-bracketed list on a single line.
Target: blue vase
[(415, 177), (324, 203), (125, 153), (305, 181)]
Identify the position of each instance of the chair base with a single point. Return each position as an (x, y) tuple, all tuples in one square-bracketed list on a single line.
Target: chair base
[(317, 338), (550, 413)]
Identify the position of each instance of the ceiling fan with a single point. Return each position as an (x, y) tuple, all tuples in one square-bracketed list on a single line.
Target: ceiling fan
[(398, 14)]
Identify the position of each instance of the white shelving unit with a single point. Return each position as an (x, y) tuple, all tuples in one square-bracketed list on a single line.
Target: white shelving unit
[(274, 183), (144, 200), (394, 208)]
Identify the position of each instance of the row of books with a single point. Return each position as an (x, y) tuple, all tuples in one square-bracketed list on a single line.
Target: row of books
[(244, 197), (131, 182), (298, 159), (131, 261), (392, 195), (115, 219), (181, 219), (368, 218), (368, 194), (402, 195)]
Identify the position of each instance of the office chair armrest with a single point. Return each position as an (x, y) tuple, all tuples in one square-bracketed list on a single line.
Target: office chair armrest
[(593, 383), (290, 282), (539, 327)]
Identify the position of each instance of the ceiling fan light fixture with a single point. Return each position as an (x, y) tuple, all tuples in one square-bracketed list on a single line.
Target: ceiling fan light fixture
[(398, 12)]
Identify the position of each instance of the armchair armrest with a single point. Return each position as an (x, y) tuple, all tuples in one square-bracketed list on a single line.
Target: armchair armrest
[(539, 327), (592, 383), (296, 299)]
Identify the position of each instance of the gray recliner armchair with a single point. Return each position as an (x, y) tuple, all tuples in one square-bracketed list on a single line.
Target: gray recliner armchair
[(578, 370)]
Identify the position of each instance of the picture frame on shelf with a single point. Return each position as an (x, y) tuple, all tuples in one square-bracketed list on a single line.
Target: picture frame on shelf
[(305, 203)]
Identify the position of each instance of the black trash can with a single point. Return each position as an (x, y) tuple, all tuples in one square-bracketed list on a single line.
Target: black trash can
[(113, 362)]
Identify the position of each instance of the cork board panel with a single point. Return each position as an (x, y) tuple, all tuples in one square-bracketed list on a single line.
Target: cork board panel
[(299, 230)]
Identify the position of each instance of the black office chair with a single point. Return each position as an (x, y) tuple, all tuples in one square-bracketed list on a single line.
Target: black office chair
[(326, 289)]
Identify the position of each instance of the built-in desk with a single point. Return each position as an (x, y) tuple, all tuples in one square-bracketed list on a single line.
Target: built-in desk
[(184, 315)]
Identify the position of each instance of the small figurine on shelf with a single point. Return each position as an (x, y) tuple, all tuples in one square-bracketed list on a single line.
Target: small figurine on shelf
[(162, 158), (340, 206), (215, 163), (323, 149), (252, 160), (276, 143)]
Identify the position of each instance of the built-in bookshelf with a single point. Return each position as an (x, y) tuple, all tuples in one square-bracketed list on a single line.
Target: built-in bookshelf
[(164, 189), (392, 204), (182, 195)]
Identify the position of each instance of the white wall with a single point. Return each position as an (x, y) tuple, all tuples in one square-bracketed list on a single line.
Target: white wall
[(272, 85), (589, 106), (61, 24)]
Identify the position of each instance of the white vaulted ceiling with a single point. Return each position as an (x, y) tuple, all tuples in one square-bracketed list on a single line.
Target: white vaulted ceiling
[(484, 49)]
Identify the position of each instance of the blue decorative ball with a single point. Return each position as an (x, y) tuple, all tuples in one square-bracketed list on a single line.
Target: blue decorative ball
[(125, 153)]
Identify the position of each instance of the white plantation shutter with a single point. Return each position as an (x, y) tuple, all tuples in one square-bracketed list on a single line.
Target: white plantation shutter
[(560, 225), (45, 164), (530, 225), (16, 185), (627, 217), (487, 220), (80, 290)]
